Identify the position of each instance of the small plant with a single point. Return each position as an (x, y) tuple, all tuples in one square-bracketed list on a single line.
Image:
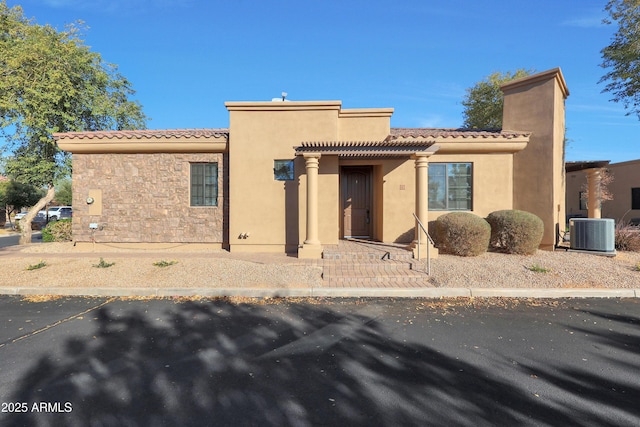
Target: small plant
[(637, 267), (41, 264), (164, 263), (538, 269), (103, 264)]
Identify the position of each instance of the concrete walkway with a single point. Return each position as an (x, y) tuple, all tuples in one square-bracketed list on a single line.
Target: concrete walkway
[(350, 269)]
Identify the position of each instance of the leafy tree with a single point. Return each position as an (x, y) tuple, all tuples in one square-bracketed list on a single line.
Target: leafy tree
[(64, 195), (622, 56), (51, 82), (16, 195), (483, 102)]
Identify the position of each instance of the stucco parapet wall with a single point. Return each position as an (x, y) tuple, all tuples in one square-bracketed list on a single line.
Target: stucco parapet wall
[(554, 73), (366, 112), (145, 141), (282, 105)]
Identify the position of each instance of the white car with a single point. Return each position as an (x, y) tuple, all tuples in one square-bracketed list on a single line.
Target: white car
[(20, 215), (59, 212)]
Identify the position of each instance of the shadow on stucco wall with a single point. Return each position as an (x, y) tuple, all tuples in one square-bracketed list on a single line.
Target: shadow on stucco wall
[(406, 237)]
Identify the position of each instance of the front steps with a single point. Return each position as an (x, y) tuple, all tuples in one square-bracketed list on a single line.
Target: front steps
[(370, 264)]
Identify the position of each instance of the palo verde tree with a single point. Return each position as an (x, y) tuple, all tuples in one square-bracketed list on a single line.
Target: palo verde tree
[(50, 81), (484, 101), (622, 56)]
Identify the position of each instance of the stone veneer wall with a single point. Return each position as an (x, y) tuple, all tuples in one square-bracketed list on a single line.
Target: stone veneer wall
[(145, 199)]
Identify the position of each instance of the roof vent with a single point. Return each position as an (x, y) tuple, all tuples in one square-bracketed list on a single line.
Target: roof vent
[(282, 99)]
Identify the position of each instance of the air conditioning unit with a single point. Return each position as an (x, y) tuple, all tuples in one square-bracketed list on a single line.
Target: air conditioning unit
[(593, 234)]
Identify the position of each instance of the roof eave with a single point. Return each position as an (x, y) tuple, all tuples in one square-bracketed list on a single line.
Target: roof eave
[(146, 145)]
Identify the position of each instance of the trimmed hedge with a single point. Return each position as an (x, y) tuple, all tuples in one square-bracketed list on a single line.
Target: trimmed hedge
[(462, 233), (515, 232), (57, 231)]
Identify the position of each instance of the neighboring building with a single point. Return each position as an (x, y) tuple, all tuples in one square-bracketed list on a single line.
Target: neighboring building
[(625, 189), (294, 176)]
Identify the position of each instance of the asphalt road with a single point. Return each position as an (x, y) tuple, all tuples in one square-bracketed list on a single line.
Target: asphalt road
[(353, 362), (13, 239)]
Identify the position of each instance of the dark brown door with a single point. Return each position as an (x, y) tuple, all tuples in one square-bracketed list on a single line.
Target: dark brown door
[(356, 202)]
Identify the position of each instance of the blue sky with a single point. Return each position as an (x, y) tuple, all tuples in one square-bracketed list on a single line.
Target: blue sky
[(185, 58)]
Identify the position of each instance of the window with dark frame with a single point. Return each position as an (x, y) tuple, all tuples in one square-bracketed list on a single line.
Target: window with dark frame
[(635, 198), (204, 184), (583, 201), (283, 170), (450, 186)]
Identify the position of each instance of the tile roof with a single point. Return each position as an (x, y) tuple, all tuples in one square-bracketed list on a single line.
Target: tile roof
[(145, 134), (397, 133)]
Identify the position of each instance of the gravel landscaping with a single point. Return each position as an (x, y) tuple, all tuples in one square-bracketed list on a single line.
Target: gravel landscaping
[(66, 266), (545, 269)]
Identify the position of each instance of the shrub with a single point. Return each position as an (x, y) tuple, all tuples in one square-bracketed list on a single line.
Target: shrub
[(627, 238), (164, 263), (37, 266), (538, 269), (104, 264), (57, 231), (515, 232), (462, 233)]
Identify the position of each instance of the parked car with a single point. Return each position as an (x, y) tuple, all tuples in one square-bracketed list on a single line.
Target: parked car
[(20, 215), (39, 222), (60, 212)]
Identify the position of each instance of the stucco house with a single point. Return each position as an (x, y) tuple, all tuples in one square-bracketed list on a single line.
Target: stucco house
[(295, 176), (584, 177)]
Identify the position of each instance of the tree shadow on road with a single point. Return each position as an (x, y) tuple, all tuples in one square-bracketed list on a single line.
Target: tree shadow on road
[(220, 363)]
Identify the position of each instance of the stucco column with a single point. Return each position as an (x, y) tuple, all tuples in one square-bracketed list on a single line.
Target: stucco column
[(422, 193), (422, 204), (311, 247), (593, 187)]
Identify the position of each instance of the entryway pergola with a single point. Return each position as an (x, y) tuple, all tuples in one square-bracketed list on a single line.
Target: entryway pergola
[(312, 152)]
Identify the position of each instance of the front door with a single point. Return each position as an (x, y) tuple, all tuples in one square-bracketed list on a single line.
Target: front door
[(356, 202)]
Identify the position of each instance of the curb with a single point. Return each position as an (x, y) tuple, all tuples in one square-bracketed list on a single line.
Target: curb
[(329, 292)]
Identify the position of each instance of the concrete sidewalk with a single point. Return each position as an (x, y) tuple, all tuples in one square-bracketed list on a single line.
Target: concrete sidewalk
[(318, 292)]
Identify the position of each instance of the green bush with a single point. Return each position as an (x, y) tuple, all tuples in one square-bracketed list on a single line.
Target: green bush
[(462, 233), (57, 231), (515, 232)]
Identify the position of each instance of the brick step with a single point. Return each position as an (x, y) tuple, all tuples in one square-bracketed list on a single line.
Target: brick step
[(376, 281), (378, 255), (373, 264), (381, 271)]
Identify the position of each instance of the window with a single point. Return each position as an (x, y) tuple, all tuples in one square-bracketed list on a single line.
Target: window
[(583, 201), (635, 198), (450, 186), (204, 184), (283, 170)]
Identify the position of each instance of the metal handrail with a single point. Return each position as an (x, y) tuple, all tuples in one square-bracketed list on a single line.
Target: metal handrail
[(428, 246)]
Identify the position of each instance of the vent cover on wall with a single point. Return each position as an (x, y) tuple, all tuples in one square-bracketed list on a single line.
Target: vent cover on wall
[(592, 234)]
